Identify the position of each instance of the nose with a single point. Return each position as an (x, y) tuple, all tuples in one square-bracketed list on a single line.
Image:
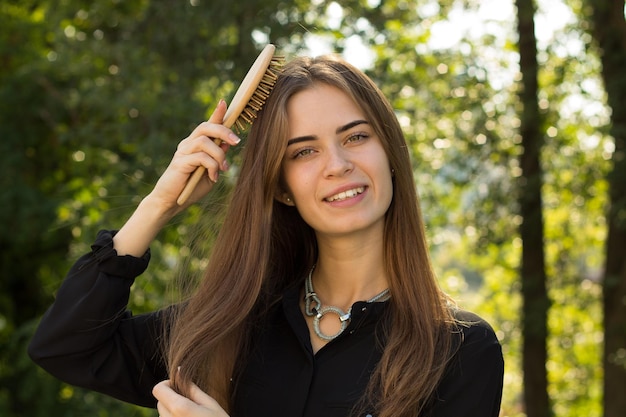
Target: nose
[(338, 162)]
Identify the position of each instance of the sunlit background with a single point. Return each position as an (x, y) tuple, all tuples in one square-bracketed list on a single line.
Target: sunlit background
[(96, 95)]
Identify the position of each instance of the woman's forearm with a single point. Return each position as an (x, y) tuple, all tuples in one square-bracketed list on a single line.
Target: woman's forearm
[(139, 231)]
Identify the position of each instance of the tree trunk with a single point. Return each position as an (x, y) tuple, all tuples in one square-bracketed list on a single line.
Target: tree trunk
[(533, 276), (609, 31)]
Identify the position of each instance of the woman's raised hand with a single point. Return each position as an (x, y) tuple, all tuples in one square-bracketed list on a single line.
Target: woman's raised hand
[(158, 207), (198, 149), (172, 404)]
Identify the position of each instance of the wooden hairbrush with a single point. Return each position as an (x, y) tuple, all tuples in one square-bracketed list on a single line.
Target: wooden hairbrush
[(247, 102)]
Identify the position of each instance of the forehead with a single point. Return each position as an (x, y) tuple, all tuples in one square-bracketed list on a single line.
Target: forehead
[(320, 106)]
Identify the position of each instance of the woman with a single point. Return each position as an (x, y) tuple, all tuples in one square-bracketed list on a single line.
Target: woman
[(318, 299)]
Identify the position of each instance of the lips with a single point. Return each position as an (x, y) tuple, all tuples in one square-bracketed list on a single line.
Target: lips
[(351, 193)]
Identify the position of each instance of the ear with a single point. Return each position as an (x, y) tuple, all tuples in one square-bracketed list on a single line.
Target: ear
[(284, 197)]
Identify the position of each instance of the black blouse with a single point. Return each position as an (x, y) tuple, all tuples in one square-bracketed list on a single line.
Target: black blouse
[(88, 338)]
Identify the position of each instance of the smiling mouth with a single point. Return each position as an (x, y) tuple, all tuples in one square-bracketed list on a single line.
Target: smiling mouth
[(345, 194)]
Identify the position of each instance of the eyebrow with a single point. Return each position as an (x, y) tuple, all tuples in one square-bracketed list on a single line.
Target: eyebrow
[(340, 129)]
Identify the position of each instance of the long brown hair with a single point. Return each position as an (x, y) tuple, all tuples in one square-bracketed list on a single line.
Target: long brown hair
[(264, 246)]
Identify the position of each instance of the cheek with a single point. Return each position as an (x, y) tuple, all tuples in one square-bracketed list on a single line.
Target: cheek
[(288, 176), (388, 189), (286, 182), (297, 181), (386, 177)]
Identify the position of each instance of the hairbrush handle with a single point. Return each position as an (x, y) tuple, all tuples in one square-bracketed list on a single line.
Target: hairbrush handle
[(251, 84)]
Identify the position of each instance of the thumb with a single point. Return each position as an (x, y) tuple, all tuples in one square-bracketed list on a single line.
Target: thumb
[(202, 398), (218, 114)]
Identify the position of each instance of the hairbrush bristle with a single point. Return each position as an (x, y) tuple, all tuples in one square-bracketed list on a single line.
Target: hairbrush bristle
[(260, 95), (248, 101)]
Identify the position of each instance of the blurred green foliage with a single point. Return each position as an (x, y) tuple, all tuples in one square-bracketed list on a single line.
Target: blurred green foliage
[(95, 96)]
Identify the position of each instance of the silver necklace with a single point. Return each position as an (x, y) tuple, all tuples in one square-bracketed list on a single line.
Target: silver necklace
[(313, 308)]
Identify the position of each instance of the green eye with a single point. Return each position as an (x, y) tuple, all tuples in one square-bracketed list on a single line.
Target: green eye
[(357, 137), (303, 152)]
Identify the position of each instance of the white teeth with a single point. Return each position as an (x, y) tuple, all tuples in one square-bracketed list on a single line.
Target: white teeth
[(346, 194)]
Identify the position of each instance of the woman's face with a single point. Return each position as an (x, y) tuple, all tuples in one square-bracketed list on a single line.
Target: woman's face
[(335, 169)]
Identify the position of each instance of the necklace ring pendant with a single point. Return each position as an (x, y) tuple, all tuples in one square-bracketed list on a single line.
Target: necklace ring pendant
[(344, 318)]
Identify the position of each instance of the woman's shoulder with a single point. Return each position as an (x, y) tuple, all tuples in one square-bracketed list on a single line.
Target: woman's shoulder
[(476, 334), (472, 384)]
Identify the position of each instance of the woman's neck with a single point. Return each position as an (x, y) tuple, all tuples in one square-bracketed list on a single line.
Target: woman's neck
[(349, 270)]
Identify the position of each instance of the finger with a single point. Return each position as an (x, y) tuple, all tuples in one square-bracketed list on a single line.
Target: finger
[(162, 390), (213, 131), (162, 410), (202, 398), (218, 114), (216, 122), (170, 403), (224, 146), (187, 164), (199, 145), (198, 152)]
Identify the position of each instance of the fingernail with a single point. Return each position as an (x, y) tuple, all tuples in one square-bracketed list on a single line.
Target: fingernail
[(213, 176), (234, 137)]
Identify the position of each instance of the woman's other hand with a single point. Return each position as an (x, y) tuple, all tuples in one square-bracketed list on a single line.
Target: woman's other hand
[(172, 404)]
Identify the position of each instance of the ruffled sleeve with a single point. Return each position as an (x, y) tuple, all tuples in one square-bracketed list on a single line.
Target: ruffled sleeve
[(89, 338)]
